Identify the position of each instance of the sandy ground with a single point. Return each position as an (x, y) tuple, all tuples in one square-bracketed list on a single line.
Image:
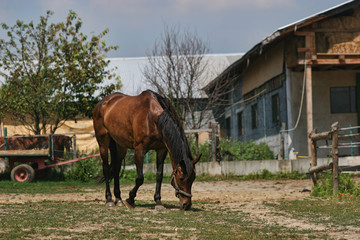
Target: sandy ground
[(247, 196), (220, 192)]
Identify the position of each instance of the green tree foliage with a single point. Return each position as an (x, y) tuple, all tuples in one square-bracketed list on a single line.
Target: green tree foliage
[(52, 72)]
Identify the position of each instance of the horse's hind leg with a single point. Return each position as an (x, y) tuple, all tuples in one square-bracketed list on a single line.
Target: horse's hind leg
[(104, 141), (139, 160), (117, 156), (160, 157)]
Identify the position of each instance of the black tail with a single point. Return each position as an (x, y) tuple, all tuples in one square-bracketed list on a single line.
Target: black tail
[(113, 155)]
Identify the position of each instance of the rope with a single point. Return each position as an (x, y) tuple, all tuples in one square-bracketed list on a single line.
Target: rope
[(301, 102)]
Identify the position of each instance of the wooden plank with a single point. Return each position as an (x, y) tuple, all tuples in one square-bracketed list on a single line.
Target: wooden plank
[(306, 49), (350, 137), (16, 153), (330, 62), (300, 33), (320, 168), (321, 136)]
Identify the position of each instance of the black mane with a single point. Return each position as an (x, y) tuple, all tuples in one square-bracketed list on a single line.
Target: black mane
[(173, 133)]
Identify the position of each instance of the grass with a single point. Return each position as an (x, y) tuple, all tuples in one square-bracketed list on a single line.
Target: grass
[(329, 212), (91, 220)]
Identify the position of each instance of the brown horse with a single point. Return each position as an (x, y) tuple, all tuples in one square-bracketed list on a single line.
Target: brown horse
[(144, 122)]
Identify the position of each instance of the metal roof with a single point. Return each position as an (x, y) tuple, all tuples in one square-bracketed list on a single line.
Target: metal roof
[(281, 32)]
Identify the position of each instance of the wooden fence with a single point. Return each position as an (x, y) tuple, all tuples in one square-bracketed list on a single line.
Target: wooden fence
[(335, 137), (214, 135)]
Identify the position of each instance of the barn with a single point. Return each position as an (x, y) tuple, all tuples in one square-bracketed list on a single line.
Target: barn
[(305, 75)]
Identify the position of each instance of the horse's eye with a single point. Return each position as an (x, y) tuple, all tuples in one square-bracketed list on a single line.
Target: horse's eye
[(182, 178)]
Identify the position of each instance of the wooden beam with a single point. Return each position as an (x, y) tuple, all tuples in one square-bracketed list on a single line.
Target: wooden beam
[(306, 49), (309, 105), (330, 62), (332, 30), (301, 33), (320, 168), (335, 157)]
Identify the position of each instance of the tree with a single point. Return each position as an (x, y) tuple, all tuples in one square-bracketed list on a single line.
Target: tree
[(177, 67), (52, 72)]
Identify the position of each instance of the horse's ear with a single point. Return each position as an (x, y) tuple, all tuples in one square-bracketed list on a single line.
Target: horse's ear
[(196, 159)]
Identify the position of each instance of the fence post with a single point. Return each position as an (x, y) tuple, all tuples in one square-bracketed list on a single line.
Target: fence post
[(74, 146), (335, 157), (313, 156), (213, 141), (351, 143), (5, 139)]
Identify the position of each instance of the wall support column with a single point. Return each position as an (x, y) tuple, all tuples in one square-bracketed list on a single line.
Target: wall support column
[(309, 105)]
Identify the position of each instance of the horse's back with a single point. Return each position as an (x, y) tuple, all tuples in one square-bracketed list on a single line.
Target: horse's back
[(127, 118)]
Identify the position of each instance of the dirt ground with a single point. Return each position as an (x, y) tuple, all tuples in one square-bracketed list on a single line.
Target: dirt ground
[(247, 196)]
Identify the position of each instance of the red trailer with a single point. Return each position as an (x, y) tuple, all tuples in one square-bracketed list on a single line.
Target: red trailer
[(29, 155)]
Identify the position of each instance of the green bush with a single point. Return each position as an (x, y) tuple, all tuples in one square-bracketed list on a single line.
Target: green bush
[(347, 186), (204, 149), (84, 170), (244, 151)]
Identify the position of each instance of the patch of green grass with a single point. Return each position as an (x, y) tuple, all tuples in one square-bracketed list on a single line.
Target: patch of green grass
[(263, 175), (91, 220), (328, 212)]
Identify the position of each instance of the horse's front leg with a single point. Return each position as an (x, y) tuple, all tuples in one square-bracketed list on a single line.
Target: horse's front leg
[(160, 157), (139, 160)]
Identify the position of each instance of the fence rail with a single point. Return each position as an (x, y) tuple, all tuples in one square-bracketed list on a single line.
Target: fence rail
[(334, 136)]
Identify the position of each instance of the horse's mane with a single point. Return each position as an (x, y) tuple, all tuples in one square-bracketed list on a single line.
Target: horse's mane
[(173, 132)]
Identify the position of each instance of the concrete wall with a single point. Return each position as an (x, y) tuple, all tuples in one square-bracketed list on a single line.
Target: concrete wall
[(241, 168)]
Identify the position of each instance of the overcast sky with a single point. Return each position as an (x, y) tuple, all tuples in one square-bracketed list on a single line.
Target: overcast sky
[(230, 26)]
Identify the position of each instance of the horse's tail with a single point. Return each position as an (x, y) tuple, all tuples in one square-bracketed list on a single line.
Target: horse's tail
[(114, 157)]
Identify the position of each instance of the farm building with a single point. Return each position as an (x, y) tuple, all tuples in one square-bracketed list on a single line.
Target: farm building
[(305, 75), (130, 72)]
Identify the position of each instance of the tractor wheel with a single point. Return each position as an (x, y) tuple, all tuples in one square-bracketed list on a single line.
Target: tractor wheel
[(22, 173)]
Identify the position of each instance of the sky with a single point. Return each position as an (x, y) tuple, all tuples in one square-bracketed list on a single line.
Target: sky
[(228, 26)]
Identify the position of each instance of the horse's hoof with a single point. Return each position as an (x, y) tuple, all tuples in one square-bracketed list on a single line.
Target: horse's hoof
[(129, 205), (159, 207), (119, 202), (110, 204)]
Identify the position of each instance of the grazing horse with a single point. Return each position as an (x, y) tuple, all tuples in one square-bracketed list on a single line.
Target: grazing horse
[(144, 122)]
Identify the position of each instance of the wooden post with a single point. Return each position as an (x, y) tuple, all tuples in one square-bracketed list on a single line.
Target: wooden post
[(309, 105), (213, 142), (335, 157), (74, 146), (282, 141), (313, 157)]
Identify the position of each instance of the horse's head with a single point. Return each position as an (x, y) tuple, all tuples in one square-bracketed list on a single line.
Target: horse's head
[(182, 180)]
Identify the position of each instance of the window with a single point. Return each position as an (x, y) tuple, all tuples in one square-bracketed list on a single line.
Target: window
[(240, 124), (275, 105), (343, 99), (254, 116), (228, 127)]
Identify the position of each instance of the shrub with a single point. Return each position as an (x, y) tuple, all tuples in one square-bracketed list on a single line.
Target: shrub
[(244, 151), (347, 186), (84, 170)]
